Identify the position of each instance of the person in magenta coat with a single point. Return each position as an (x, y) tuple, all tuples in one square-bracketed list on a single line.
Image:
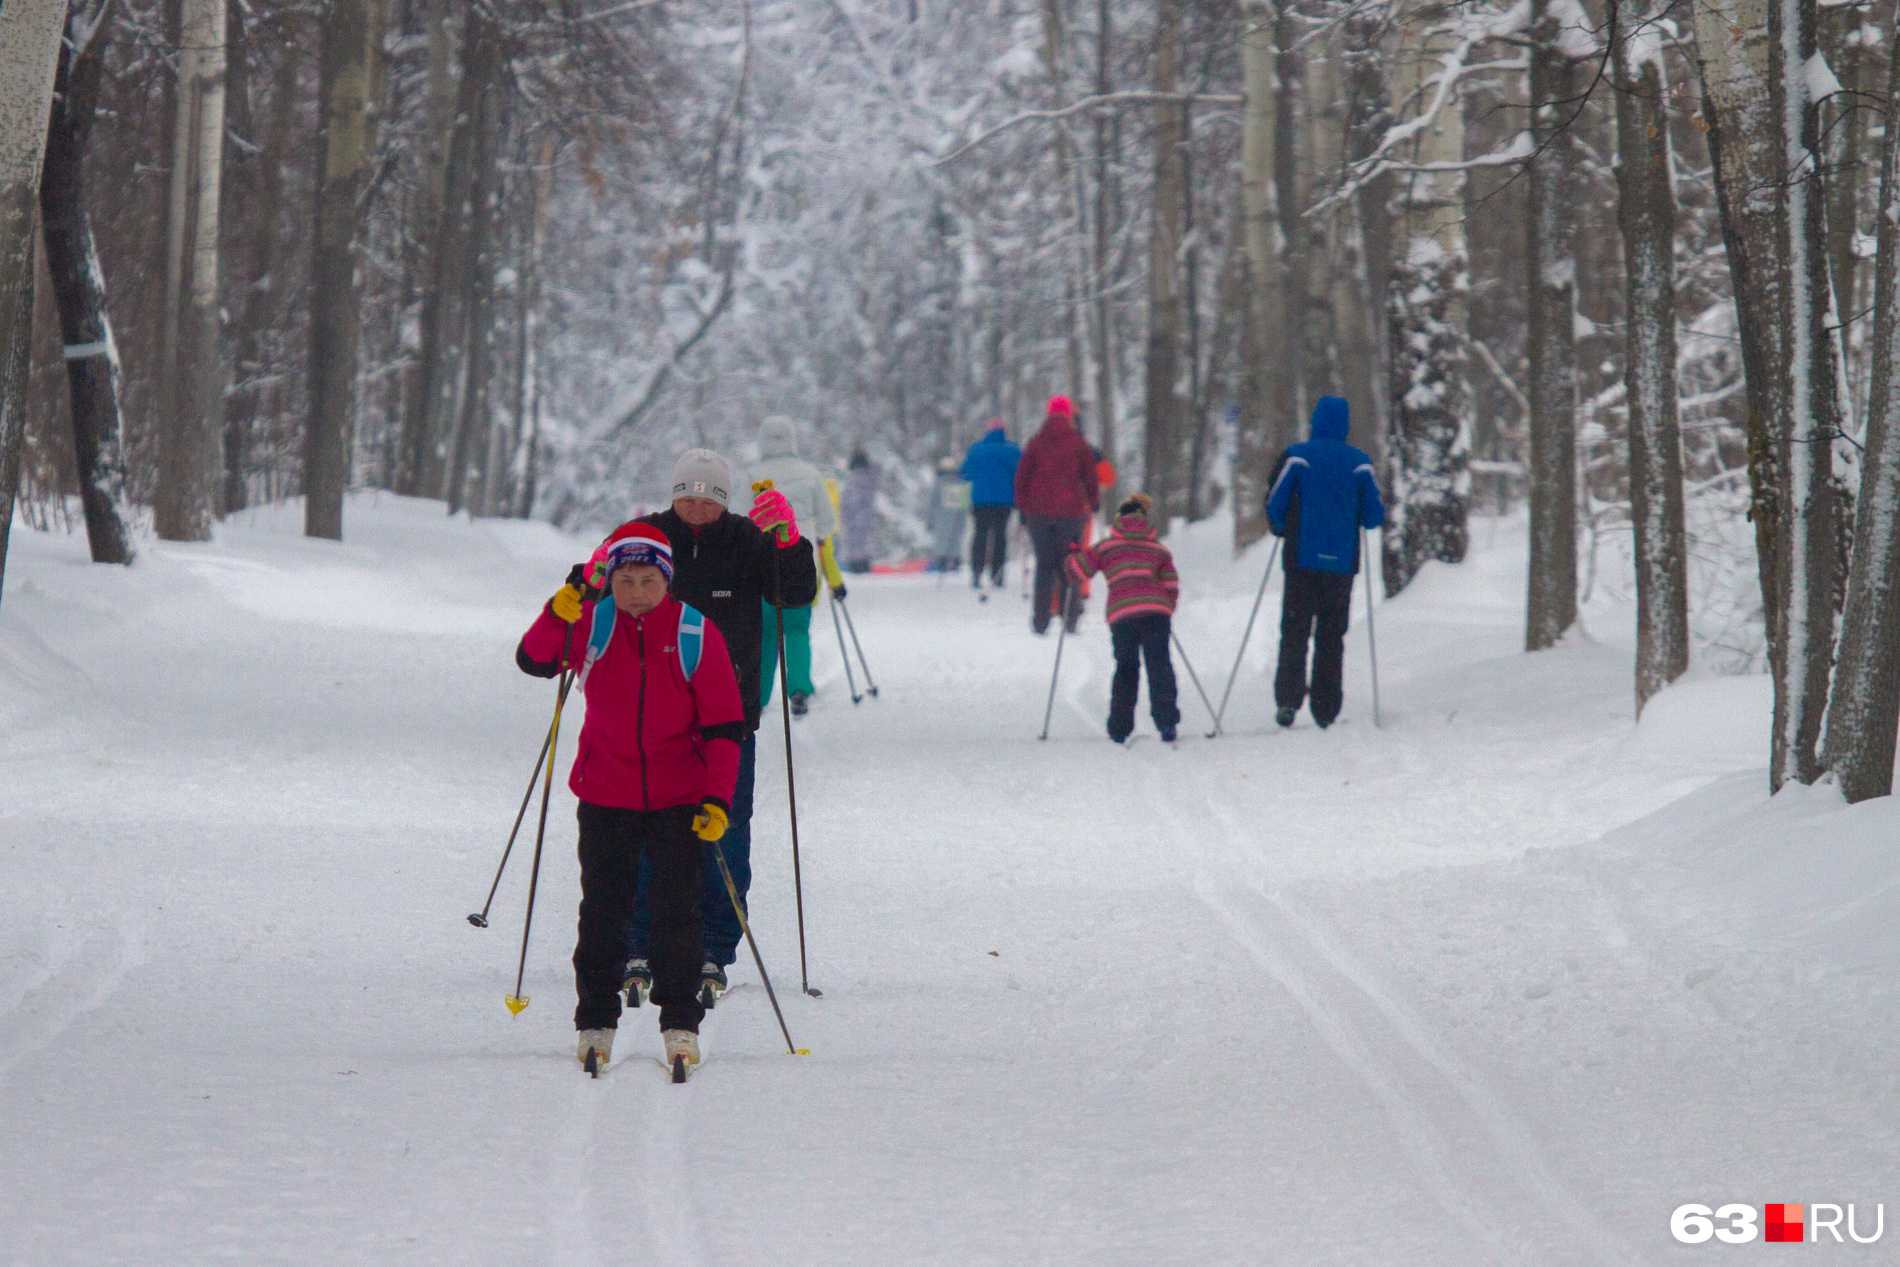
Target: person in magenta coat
[(657, 761), (1056, 492)]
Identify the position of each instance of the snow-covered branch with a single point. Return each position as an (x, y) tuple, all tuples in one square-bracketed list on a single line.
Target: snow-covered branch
[(1086, 104)]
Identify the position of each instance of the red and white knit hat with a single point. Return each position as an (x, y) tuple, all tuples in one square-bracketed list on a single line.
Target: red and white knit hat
[(633, 542)]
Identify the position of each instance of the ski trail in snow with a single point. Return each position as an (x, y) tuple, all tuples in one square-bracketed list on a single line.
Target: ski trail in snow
[(84, 980), (671, 1213), (1525, 1160), (1515, 1150), (570, 1177), (1357, 1054)]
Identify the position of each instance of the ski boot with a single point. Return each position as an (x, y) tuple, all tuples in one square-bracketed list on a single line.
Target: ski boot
[(801, 703), (712, 984), (639, 983), (1167, 734), (595, 1049), (1285, 716), (682, 1052)]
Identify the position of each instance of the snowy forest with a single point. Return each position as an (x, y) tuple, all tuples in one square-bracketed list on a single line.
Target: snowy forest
[(1627, 264)]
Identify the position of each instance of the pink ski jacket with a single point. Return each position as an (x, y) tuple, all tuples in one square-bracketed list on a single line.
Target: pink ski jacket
[(663, 714)]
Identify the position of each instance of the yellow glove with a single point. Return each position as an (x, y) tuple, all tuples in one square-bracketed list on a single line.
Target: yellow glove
[(566, 603), (710, 823)]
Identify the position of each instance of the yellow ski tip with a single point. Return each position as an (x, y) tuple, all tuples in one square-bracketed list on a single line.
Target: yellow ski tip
[(515, 1004), (801, 1051)]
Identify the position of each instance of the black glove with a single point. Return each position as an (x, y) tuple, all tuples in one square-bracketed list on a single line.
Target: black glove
[(837, 591)]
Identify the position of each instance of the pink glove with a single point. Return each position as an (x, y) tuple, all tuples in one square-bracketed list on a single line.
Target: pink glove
[(772, 512)]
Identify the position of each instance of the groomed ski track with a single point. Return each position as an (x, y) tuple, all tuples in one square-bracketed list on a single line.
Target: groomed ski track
[(1361, 996)]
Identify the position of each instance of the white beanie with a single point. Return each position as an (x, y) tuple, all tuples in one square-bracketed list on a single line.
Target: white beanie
[(703, 473)]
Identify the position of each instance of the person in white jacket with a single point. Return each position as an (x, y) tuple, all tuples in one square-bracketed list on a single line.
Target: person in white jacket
[(804, 487)]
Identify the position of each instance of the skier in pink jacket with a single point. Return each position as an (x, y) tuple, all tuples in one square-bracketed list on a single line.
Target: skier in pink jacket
[(659, 753)]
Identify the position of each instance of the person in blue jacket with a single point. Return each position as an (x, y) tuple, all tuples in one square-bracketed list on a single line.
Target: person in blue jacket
[(1323, 493), (990, 467)]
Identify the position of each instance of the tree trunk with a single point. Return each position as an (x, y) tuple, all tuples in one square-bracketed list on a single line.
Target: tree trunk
[(1267, 418), (416, 474), (477, 278), (79, 288), (1864, 708), (266, 258), (29, 46), (444, 318), (348, 41), (1430, 443), (1554, 195), (1104, 316), (191, 369), (1163, 433), (1363, 242), (1646, 214), (1764, 126)]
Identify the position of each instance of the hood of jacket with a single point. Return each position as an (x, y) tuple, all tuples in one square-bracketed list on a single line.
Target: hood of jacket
[(778, 437), (1332, 418)]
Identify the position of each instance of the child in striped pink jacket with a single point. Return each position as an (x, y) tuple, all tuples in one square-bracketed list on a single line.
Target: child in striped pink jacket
[(1142, 591)]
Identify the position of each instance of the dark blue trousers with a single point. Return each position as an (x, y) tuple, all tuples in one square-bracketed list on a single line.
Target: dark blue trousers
[(1138, 638), (723, 934)]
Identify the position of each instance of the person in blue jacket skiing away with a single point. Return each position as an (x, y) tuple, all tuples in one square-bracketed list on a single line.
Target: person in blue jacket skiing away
[(990, 466), (1323, 492)]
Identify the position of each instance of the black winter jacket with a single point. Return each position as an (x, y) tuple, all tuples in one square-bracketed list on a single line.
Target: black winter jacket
[(725, 570)]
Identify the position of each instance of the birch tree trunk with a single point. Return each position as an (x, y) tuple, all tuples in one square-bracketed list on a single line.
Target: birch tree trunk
[(1864, 708), (1266, 392), (79, 289), (1554, 195), (1764, 127), (348, 42), (191, 368), (29, 46), (1646, 214), (1430, 441), (1160, 468)]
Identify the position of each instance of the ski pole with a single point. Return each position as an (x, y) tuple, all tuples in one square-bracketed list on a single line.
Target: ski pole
[(1242, 654), (1372, 636), (738, 908), (870, 687), (1062, 633), (1194, 677), (517, 1000), (791, 785), (844, 655), (481, 920)]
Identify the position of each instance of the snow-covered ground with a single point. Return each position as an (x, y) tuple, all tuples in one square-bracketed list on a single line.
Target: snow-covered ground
[(1504, 981)]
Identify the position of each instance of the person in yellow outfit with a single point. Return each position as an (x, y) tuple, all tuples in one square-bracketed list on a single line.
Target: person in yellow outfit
[(808, 491)]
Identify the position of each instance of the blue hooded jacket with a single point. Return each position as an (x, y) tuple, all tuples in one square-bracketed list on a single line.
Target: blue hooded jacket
[(990, 466), (1327, 492)]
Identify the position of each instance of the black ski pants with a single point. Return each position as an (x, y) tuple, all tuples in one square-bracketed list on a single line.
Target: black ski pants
[(1052, 535), (989, 545), (1136, 638), (1314, 606), (612, 841)]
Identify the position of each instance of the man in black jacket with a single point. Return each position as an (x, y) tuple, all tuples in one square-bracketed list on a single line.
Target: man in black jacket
[(729, 567)]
